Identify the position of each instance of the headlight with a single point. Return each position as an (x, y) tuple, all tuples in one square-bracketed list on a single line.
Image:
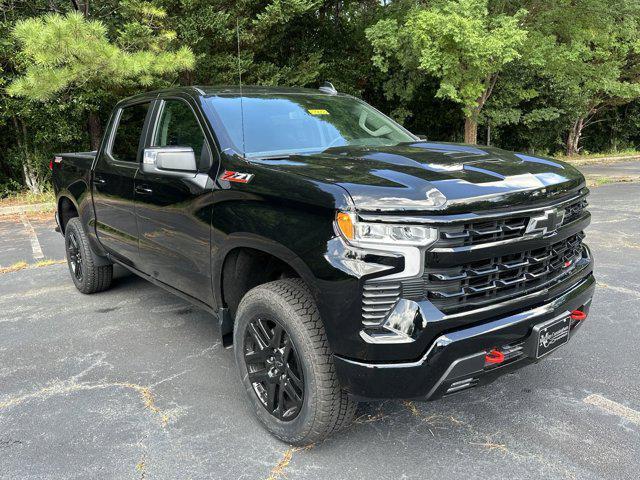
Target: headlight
[(368, 233)]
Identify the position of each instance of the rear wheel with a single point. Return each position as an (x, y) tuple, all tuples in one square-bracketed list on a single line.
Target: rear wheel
[(86, 275), (286, 365)]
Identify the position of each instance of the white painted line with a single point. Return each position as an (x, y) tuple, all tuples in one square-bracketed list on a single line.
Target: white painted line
[(613, 407), (35, 244)]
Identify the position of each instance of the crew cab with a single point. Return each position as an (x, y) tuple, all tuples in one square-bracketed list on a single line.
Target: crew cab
[(343, 258)]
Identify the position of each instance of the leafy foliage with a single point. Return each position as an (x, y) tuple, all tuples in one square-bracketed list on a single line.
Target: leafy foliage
[(58, 52), (458, 42), (536, 75)]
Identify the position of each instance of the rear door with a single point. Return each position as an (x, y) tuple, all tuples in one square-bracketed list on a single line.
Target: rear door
[(174, 213), (113, 182)]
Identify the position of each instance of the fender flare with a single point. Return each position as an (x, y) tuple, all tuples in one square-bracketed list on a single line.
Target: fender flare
[(262, 244), (65, 194), (87, 218)]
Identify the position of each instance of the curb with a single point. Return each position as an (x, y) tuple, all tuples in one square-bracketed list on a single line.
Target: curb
[(599, 161), (36, 207)]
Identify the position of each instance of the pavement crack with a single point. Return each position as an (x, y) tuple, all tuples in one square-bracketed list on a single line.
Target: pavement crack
[(65, 388), (626, 291), (206, 351), (412, 408), (372, 417), (141, 466), (444, 422), (279, 470), (368, 418), (9, 442), (492, 446)]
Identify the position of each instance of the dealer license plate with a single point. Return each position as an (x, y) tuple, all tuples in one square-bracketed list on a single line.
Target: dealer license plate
[(551, 335)]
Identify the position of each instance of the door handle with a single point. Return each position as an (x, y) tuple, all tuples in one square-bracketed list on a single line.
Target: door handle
[(143, 190), (99, 181)]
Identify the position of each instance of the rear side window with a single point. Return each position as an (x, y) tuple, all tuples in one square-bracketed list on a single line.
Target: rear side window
[(179, 127), (128, 133)]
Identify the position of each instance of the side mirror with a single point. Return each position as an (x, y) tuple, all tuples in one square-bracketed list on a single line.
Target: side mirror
[(176, 161), (421, 136)]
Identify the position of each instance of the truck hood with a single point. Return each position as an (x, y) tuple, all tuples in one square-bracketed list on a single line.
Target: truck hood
[(427, 176)]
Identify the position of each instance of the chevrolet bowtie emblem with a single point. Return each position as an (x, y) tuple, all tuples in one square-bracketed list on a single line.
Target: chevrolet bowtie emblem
[(547, 223)]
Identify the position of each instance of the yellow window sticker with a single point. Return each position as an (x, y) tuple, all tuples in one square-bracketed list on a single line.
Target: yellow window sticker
[(318, 111)]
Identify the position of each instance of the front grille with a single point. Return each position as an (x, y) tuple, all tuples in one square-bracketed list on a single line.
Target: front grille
[(495, 279), (487, 281), (488, 231), (574, 211)]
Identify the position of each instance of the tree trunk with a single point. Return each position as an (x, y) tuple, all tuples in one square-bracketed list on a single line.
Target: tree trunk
[(84, 9), (573, 138), (186, 78), (471, 130), (95, 130), (30, 174), (31, 178), (471, 120)]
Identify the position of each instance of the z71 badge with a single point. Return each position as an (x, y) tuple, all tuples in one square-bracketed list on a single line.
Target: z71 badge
[(238, 177)]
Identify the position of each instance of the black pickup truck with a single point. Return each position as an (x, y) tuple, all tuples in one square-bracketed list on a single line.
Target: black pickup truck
[(343, 257)]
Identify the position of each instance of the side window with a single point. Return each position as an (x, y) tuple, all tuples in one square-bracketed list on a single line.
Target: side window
[(127, 137), (179, 127)]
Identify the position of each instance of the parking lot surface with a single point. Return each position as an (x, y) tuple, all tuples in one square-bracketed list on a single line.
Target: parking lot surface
[(133, 383)]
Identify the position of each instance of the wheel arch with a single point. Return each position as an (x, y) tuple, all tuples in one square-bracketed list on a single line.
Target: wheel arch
[(67, 209), (275, 259), (260, 244)]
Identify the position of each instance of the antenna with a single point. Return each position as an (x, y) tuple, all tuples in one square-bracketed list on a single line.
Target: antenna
[(327, 87), (240, 85)]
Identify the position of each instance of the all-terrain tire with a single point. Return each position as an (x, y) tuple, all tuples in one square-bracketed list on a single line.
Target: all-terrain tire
[(92, 278), (326, 408)]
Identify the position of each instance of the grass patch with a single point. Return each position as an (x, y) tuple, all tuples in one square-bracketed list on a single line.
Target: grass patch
[(23, 265), (27, 198), (601, 158), (47, 262), (595, 181), (15, 267)]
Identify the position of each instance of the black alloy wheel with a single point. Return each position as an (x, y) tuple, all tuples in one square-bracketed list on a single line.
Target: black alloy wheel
[(274, 368), (90, 272), (75, 257), (286, 365)]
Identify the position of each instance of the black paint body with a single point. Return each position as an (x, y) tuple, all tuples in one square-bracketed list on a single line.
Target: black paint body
[(178, 232)]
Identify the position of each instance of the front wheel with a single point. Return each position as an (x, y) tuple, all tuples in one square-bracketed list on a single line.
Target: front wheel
[(86, 275), (286, 364)]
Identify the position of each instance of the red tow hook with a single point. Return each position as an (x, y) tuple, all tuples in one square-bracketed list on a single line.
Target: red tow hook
[(494, 356), (578, 315)]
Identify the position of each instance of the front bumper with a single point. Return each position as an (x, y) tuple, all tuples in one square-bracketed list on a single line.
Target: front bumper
[(455, 361)]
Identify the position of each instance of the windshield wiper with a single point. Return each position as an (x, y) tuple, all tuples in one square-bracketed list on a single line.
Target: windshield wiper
[(281, 156)]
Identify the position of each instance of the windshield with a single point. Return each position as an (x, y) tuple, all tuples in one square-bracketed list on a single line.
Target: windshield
[(285, 124)]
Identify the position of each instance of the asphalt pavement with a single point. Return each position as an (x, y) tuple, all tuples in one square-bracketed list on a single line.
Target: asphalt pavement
[(133, 383), (614, 169)]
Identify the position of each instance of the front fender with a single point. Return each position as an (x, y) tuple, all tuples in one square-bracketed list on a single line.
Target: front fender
[(262, 244)]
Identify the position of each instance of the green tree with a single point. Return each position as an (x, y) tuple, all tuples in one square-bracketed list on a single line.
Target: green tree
[(563, 75), (460, 43), (69, 59), (69, 55), (591, 52)]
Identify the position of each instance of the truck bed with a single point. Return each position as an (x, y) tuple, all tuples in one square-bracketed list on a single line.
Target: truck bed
[(72, 171)]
